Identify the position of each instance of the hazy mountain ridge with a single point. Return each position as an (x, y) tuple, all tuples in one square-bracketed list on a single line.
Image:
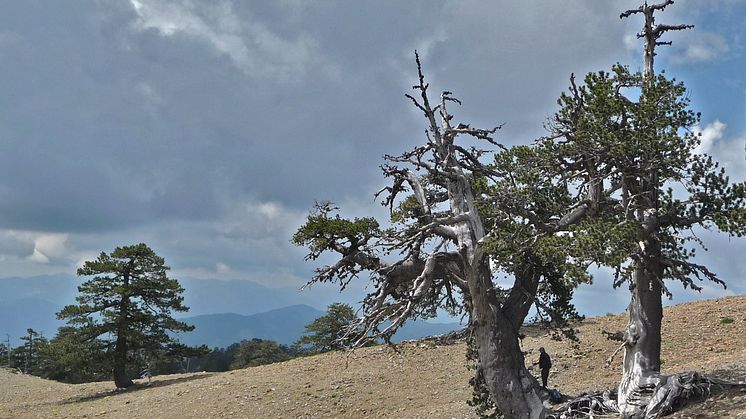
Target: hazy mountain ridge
[(284, 325), (224, 312)]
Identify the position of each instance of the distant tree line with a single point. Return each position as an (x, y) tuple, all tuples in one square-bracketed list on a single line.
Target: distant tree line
[(69, 358)]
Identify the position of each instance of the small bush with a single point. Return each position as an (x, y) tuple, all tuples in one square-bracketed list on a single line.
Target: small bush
[(726, 320)]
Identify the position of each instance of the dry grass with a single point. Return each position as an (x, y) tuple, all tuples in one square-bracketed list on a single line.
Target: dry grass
[(418, 380)]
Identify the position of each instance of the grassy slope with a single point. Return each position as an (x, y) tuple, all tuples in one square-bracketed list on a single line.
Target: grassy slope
[(418, 380)]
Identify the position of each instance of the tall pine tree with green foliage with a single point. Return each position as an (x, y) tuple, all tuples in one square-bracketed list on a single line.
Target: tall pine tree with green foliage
[(627, 141), (128, 304)]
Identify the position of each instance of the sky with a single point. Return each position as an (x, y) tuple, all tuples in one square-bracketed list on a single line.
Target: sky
[(207, 129)]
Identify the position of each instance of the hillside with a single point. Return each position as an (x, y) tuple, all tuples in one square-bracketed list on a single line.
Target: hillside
[(418, 380)]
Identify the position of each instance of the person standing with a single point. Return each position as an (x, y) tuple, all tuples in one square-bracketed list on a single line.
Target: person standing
[(545, 364)]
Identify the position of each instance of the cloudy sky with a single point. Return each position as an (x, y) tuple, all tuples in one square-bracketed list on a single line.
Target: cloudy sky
[(208, 128)]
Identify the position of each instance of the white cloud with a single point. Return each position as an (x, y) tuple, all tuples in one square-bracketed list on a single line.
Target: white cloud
[(51, 244), (48, 245), (631, 42), (38, 257), (259, 221), (700, 47), (222, 268), (729, 152), (17, 246), (709, 135), (250, 44)]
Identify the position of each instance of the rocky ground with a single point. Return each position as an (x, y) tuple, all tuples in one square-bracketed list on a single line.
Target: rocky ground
[(414, 380)]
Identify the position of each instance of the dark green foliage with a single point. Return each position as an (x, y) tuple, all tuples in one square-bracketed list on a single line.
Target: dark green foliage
[(635, 138), (173, 359), (219, 359), (327, 333), (4, 354), (128, 305), (70, 359), (322, 232), (517, 203), (28, 357), (237, 355), (726, 320), (254, 352)]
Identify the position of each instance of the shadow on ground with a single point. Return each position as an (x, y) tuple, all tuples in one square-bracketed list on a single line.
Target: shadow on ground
[(134, 388)]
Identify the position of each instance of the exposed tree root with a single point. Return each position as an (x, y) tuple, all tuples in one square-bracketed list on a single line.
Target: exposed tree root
[(674, 391), (671, 393), (588, 405)]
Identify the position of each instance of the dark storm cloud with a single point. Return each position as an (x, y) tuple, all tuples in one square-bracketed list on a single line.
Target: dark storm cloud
[(116, 116), (207, 128)]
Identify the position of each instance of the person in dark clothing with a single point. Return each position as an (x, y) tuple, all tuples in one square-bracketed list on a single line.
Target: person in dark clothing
[(545, 364)]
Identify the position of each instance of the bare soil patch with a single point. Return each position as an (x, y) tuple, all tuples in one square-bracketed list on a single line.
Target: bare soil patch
[(415, 380)]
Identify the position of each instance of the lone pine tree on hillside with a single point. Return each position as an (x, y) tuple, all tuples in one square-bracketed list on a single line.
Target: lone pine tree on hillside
[(128, 304), (28, 356)]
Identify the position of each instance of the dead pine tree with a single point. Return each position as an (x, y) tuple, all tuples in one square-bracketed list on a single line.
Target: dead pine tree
[(634, 133), (450, 227)]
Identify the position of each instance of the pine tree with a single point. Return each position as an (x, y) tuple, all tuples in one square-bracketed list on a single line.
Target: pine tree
[(27, 357), (254, 352), (70, 359), (327, 332), (632, 134), (128, 304)]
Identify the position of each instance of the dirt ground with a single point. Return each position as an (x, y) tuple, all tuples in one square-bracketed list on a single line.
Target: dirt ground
[(417, 380)]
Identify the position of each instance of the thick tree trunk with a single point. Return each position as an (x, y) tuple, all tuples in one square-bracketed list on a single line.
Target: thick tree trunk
[(496, 326), (121, 379), (642, 351), (516, 391), (641, 375)]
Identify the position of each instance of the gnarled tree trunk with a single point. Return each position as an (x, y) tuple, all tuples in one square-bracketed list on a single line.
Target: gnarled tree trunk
[(443, 245), (515, 390), (641, 374)]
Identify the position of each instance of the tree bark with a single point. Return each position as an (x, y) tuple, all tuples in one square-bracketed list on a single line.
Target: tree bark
[(641, 371), (121, 379)]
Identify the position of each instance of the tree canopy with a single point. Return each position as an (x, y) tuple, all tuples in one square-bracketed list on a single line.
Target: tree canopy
[(254, 352)]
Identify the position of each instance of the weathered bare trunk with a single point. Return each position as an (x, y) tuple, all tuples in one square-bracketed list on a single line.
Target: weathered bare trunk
[(643, 345), (642, 353), (496, 326)]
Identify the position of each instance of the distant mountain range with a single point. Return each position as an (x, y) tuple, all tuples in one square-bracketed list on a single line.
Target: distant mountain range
[(284, 325), (226, 311)]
